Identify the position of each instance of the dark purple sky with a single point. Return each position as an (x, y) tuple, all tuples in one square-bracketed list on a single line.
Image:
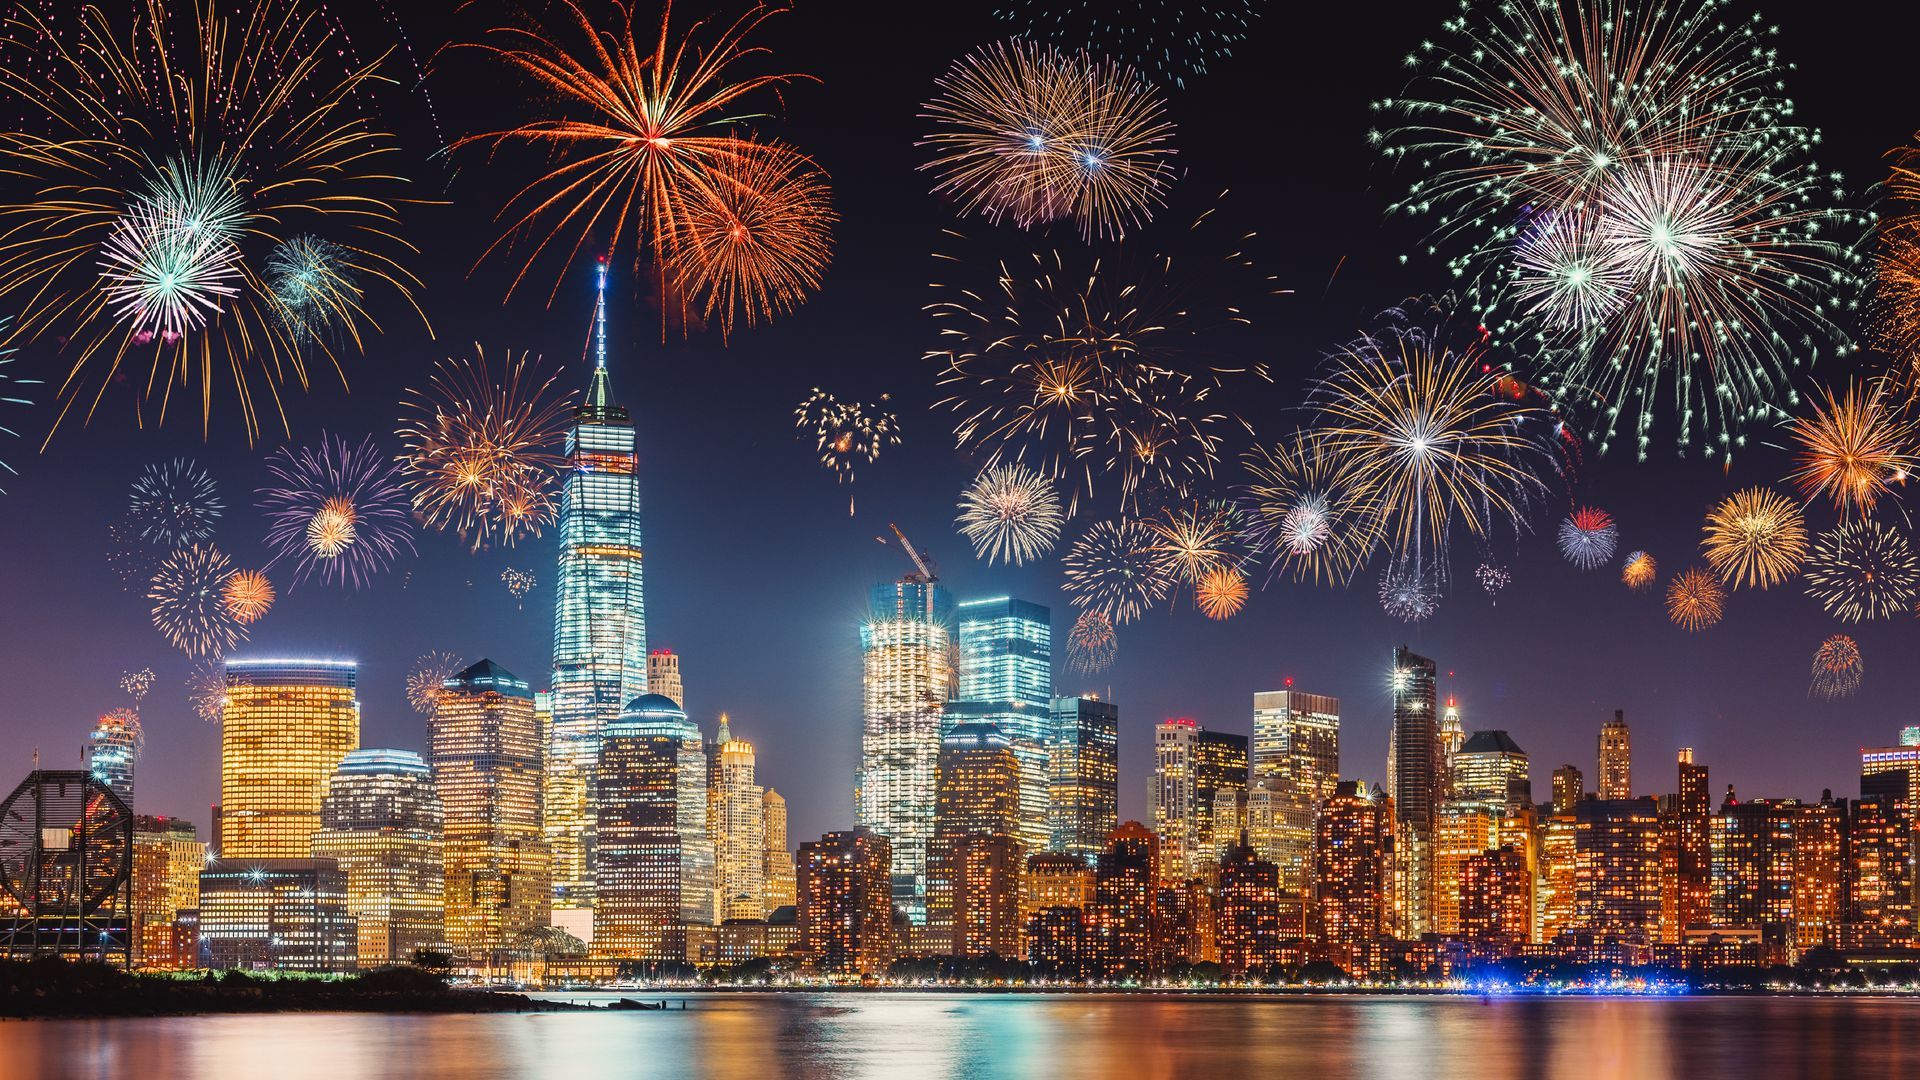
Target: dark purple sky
[(756, 574)]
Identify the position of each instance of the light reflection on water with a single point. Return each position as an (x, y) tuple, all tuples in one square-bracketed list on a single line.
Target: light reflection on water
[(935, 1036)]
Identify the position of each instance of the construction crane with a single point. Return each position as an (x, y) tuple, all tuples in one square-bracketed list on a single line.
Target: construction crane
[(926, 568)]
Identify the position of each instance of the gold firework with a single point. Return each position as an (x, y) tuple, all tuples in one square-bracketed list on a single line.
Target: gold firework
[(1222, 592), (1309, 515), (1695, 599), (332, 529), (644, 132), (248, 594), (1755, 537), (1193, 540), (759, 241), (1852, 449), (1639, 571), (1896, 302)]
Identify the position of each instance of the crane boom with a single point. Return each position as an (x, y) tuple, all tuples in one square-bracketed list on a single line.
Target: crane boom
[(926, 569)]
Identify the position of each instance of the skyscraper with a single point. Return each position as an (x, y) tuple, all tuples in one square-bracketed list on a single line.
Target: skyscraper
[(1248, 922), (1453, 735), (1006, 679), (1296, 766), (167, 859), (1125, 911), (1353, 841), (1414, 783), (663, 676), (739, 833), (656, 859), (1693, 848), (1490, 771), (268, 914), (112, 748), (1084, 793), (1192, 768), (484, 746), (382, 824), (976, 794), (600, 615), (908, 674), (781, 884), (1617, 868), (1616, 758), (286, 725), (846, 904)]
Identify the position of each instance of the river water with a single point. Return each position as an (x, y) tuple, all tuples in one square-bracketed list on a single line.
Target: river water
[(931, 1036)]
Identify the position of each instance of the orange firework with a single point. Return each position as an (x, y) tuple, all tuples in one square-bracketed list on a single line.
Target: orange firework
[(1896, 302), (1222, 592), (1639, 571), (248, 594), (759, 241), (1852, 449), (1695, 599), (644, 136), (1755, 537)]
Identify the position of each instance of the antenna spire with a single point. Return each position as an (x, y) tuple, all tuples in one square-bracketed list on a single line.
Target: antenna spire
[(600, 319)]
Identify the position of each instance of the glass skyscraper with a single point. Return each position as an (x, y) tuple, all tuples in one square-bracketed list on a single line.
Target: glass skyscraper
[(1083, 806), (1006, 679), (285, 728), (382, 823), (908, 675), (600, 620), (656, 858), (112, 750)]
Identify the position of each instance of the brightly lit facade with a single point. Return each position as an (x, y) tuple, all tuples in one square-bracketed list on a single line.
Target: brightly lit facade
[(1616, 758), (908, 674), (739, 833), (382, 823), (663, 676), (168, 856), (286, 725), (600, 618), (777, 860), (1490, 771), (1296, 765), (846, 904), (1084, 796), (1006, 679), (1193, 770), (656, 860), (976, 794), (1414, 783), (486, 757), (275, 915), (112, 748)]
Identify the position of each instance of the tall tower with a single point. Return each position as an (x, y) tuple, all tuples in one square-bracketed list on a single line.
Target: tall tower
[(1616, 758), (976, 795), (382, 823), (909, 674), (778, 862), (286, 726), (485, 750), (1296, 766), (600, 615), (663, 676), (656, 858), (1006, 679), (1084, 790), (739, 833), (113, 748), (1414, 779)]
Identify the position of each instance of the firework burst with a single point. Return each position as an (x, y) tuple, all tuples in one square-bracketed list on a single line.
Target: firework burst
[(1115, 569), (1695, 599), (248, 594), (518, 582), (760, 241), (1029, 133), (483, 449), (189, 605), (1639, 571), (175, 503), (1408, 594), (166, 153), (207, 690), (336, 511), (1171, 38), (137, 684), (424, 681), (1221, 593), (1895, 319), (1094, 369), (1588, 537), (1755, 537), (1852, 450), (1493, 578), (1092, 645), (845, 433), (1010, 514), (1307, 511), (316, 293), (641, 134), (1863, 570), (1621, 188), (1434, 446), (1195, 539), (1837, 669)]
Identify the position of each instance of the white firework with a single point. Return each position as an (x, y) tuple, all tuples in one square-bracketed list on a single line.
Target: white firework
[(1011, 514)]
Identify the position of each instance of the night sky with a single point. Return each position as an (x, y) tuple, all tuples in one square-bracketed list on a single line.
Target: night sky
[(755, 572)]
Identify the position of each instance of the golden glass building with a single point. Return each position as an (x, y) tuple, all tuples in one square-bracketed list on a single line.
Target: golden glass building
[(486, 756), (904, 644), (1295, 766), (167, 859), (286, 725), (778, 873), (382, 823), (1083, 795), (739, 827)]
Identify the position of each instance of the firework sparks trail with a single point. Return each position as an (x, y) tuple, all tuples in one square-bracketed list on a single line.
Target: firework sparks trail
[(1010, 514), (175, 503), (845, 433), (189, 607), (1092, 645), (1837, 668), (1755, 537), (337, 511), (1863, 570), (1115, 568), (1695, 599), (1588, 538), (425, 679)]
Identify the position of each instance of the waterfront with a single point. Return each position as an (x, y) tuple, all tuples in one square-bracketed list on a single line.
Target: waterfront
[(929, 1036)]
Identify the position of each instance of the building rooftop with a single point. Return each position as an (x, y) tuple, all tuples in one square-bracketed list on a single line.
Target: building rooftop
[(1490, 742)]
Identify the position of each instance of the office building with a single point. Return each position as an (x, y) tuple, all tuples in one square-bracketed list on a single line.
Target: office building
[(1084, 792), (599, 618), (167, 859), (1192, 768), (1353, 840), (1617, 869), (1006, 679), (1692, 828), (1496, 901), (1752, 846), (739, 833), (286, 725), (1616, 758), (656, 859), (976, 793), (1247, 913), (1121, 922), (663, 676), (112, 749), (382, 824), (1414, 784), (1819, 873), (486, 757), (275, 915), (1295, 767), (908, 673), (778, 873), (846, 904), (1490, 771)]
